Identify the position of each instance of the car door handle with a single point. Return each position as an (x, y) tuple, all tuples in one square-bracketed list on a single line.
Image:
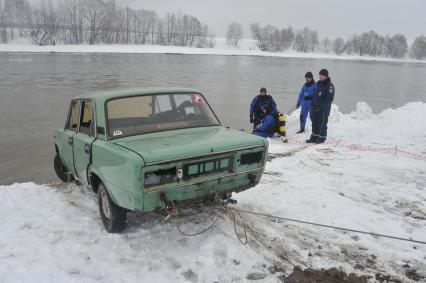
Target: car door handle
[(70, 140), (87, 148)]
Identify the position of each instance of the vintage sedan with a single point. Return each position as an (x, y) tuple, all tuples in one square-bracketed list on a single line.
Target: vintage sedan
[(143, 149)]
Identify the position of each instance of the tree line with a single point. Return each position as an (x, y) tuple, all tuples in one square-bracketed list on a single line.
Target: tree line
[(98, 21), (273, 39), (50, 22)]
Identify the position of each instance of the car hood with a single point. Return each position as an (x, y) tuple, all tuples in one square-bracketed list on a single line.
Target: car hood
[(187, 143)]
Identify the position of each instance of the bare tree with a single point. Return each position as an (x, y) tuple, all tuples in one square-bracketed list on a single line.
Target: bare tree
[(396, 46), (10, 16), (287, 37), (77, 21), (368, 43), (339, 46), (170, 27), (95, 12), (146, 24), (109, 24), (194, 30), (262, 35), (270, 38), (160, 32), (418, 49), (326, 45), (305, 40), (128, 17), (280, 40), (3, 23), (234, 34), (211, 37), (73, 11), (45, 23)]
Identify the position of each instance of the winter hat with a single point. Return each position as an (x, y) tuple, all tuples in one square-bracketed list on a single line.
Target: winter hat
[(263, 89), (324, 72), (309, 75)]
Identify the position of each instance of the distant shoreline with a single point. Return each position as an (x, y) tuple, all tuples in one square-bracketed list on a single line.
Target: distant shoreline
[(179, 50)]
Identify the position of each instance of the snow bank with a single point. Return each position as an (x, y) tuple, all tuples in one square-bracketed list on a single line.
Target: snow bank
[(247, 48), (54, 234)]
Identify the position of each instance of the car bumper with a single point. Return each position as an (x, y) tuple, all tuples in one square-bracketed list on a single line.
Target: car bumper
[(235, 182)]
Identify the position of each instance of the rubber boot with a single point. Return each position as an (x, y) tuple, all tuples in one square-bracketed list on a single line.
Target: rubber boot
[(312, 140)]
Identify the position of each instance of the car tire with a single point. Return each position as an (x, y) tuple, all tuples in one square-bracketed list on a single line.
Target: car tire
[(114, 218), (61, 171)]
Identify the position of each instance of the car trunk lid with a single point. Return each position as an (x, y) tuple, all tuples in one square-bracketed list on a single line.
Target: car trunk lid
[(188, 143)]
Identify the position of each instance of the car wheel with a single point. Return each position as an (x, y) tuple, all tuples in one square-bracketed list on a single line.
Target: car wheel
[(61, 171), (114, 218)]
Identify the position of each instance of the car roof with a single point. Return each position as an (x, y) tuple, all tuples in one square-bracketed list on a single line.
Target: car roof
[(106, 95)]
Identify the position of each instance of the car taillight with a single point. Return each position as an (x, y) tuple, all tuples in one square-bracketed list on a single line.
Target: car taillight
[(159, 177), (251, 158)]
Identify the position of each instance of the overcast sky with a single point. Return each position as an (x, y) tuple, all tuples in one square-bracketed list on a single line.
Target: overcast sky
[(328, 17)]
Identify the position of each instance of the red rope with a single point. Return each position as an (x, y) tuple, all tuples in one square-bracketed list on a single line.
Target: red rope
[(356, 147)]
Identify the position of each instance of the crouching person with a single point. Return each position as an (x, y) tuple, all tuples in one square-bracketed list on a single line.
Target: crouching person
[(257, 105), (268, 125)]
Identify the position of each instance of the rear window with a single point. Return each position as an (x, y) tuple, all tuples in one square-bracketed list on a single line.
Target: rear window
[(161, 112)]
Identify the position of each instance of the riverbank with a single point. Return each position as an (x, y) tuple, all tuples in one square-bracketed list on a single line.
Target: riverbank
[(247, 48), (363, 180)]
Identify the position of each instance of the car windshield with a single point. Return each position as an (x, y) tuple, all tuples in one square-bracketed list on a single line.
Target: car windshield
[(160, 112)]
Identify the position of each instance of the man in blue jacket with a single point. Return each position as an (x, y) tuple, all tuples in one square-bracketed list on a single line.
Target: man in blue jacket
[(305, 98), (268, 125), (320, 108), (257, 105)]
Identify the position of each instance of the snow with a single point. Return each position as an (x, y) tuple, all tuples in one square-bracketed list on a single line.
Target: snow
[(247, 47), (53, 233)]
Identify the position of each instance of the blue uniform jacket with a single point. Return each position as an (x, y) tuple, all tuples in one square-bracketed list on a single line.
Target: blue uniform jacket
[(306, 94), (323, 97), (257, 105), (268, 127)]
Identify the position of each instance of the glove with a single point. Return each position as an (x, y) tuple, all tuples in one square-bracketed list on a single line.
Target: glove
[(310, 97), (251, 120)]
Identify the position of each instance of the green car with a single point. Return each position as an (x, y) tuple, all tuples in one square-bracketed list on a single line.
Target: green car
[(144, 149)]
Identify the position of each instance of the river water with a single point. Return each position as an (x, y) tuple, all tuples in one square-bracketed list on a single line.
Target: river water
[(35, 91)]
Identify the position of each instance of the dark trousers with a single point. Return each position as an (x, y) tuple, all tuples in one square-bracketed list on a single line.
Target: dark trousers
[(256, 123), (319, 125)]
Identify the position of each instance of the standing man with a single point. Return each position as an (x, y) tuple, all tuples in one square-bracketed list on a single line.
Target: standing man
[(305, 98), (257, 105), (320, 108)]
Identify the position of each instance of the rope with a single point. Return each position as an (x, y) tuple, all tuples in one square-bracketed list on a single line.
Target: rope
[(331, 227), (219, 208), (235, 226), (291, 110), (355, 147), (194, 234)]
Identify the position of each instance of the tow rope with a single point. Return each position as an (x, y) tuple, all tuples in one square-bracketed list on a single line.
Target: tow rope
[(330, 226), (221, 208)]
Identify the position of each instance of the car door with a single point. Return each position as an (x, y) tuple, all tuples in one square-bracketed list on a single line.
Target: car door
[(83, 139), (71, 128)]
